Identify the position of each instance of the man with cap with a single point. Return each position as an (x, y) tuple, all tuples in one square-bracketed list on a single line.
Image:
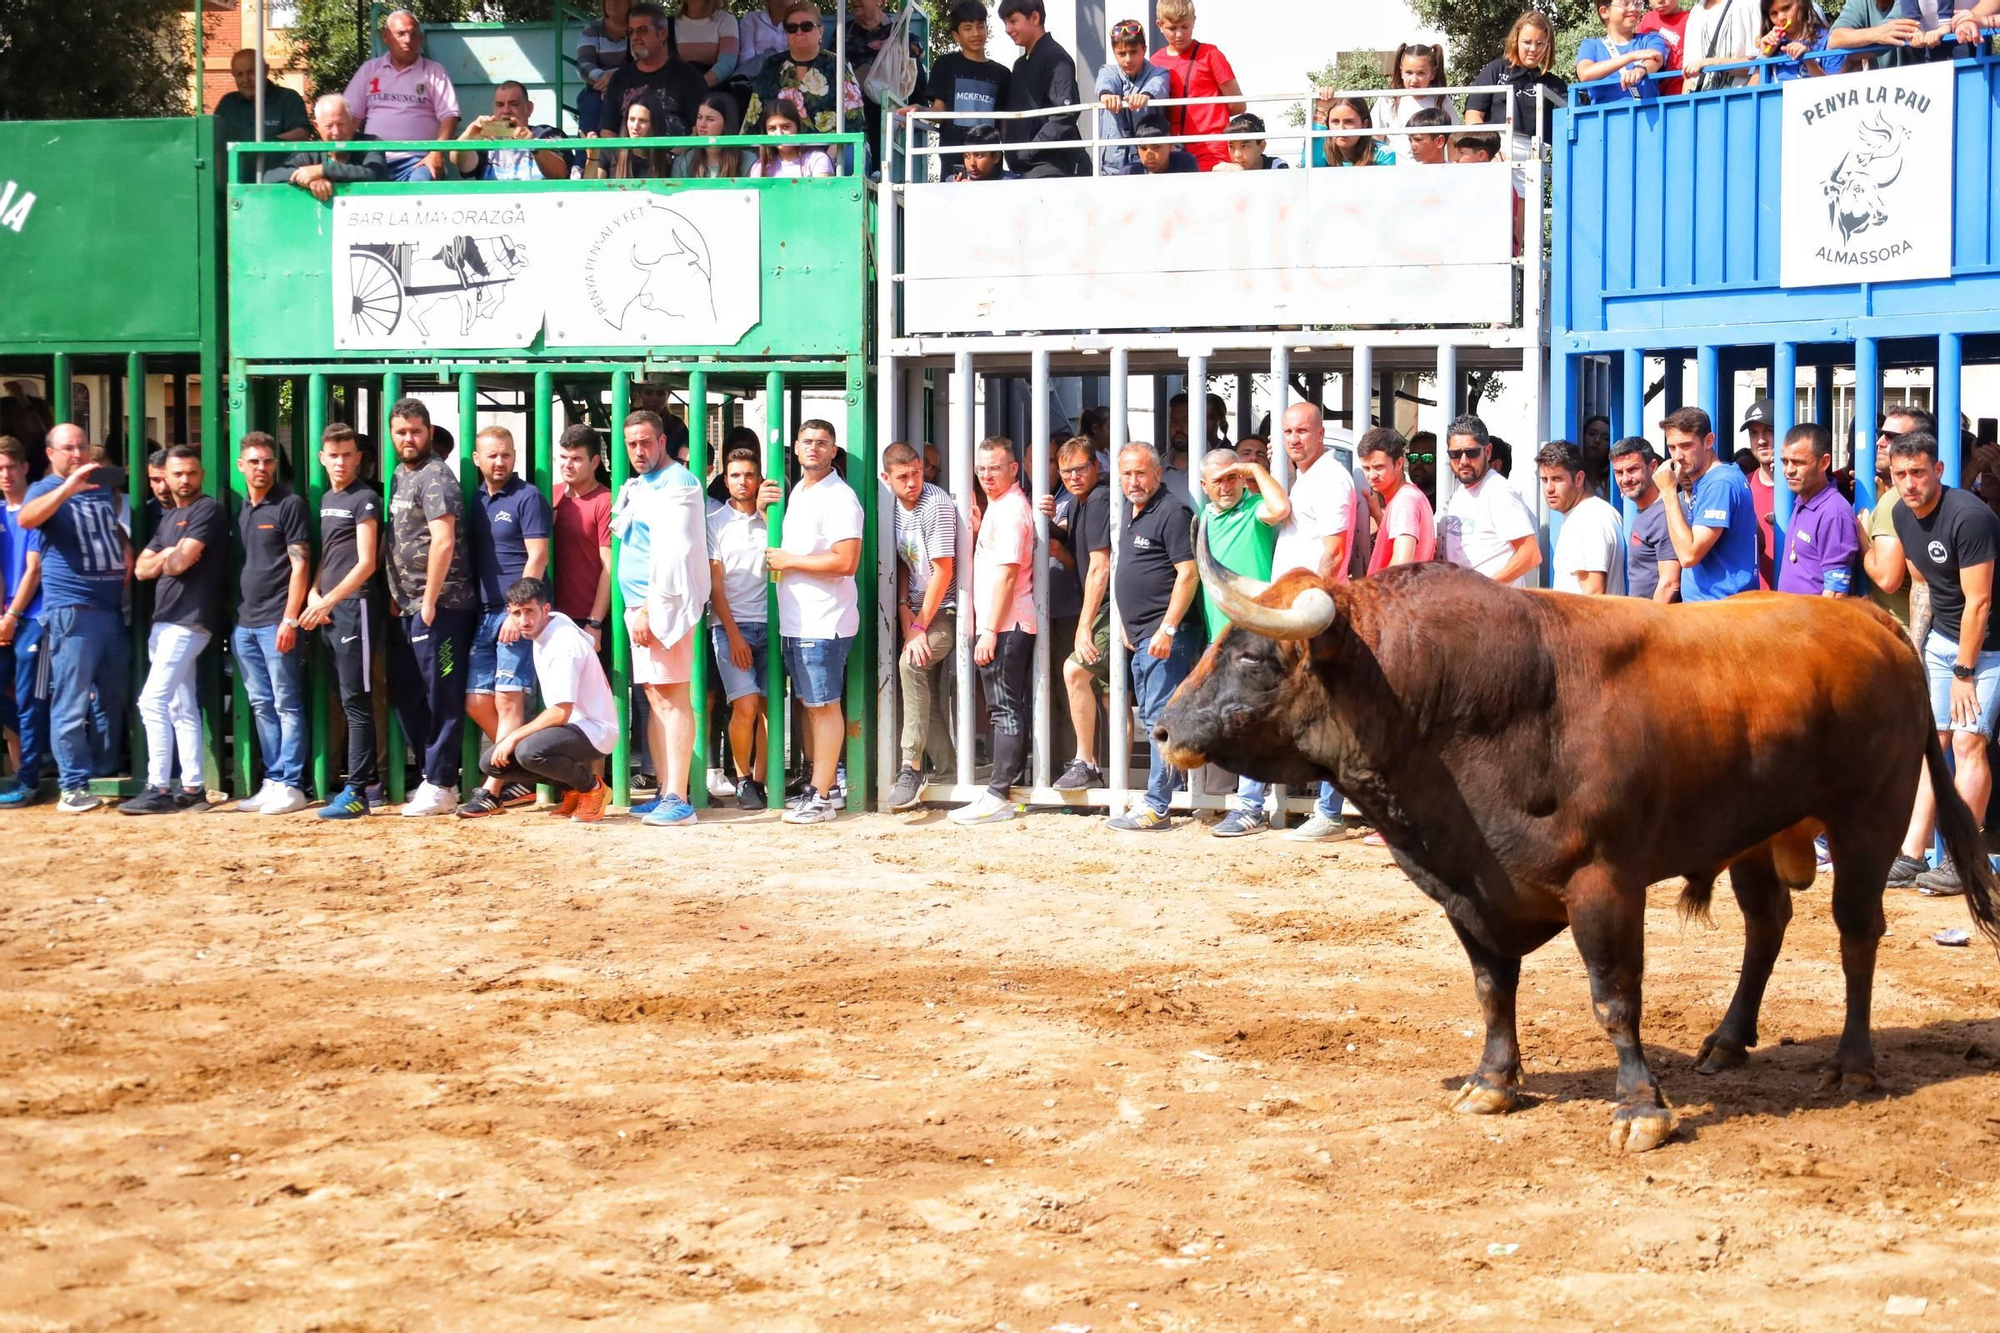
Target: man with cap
[(1763, 486)]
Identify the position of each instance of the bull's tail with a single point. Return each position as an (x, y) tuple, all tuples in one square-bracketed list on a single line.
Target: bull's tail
[(1966, 843)]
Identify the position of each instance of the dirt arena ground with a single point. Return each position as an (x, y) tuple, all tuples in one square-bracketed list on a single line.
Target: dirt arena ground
[(523, 1075)]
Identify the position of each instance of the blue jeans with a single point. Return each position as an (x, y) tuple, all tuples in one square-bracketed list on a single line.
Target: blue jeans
[(496, 667), (818, 668), (1250, 795), (739, 681), (275, 682), (410, 168), (88, 665), (24, 665), (1154, 680)]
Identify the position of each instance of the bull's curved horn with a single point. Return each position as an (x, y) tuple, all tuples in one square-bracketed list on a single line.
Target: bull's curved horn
[(1235, 596)]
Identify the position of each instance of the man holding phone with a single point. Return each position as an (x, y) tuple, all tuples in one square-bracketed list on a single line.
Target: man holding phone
[(1715, 536)]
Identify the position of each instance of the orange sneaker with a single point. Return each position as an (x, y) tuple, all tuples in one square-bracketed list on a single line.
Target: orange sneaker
[(590, 804), (567, 805)]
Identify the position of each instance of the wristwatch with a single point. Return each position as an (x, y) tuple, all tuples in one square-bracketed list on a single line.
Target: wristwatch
[(593, 624), (1960, 671), (1168, 630)]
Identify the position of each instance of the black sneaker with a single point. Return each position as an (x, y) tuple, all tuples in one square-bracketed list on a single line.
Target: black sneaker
[(1904, 870), (516, 793), (750, 794), (191, 798), (904, 794), (1942, 882), (1080, 776), (482, 804), (152, 801)]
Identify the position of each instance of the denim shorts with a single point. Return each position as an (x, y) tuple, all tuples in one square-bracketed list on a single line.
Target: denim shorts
[(500, 668), (1939, 655), (737, 681), (818, 668)]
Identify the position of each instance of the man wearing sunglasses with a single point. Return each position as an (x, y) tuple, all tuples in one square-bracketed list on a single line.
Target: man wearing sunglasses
[(1487, 526), (1080, 529), (1889, 585)]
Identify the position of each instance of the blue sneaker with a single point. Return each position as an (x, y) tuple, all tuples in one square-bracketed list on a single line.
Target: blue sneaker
[(347, 803), (640, 809), (19, 794), (669, 811)]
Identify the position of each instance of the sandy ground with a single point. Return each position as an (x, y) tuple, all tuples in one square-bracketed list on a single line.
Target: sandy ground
[(278, 1075)]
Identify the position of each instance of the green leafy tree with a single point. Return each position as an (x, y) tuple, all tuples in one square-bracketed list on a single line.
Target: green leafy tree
[(1475, 30), (94, 59)]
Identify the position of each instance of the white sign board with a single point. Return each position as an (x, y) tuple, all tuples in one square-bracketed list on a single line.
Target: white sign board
[(1374, 245), (618, 268), (1866, 177)]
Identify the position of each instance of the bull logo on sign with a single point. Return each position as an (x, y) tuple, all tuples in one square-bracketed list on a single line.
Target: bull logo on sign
[(657, 261), (1854, 188)]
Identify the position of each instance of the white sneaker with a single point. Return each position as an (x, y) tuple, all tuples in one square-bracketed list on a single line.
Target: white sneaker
[(250, 805), (430, 800), (986, 809), (283, 800)]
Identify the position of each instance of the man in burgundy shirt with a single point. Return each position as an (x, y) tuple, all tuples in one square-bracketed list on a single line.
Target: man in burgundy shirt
[(581, 539), (1763, 486)]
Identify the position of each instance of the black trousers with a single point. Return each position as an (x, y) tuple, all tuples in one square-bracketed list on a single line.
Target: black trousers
[(351, 637), (428, 665), (560, 756), (1010, 700)]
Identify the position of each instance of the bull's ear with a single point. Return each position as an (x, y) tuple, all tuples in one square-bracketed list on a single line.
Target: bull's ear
[(1311, 611)]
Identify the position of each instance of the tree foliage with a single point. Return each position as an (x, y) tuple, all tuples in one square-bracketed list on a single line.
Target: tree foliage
[(94, 59), (1475, 30)]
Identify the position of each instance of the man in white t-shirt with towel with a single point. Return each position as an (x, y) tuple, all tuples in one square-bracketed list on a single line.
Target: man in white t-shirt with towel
[(564, 744)]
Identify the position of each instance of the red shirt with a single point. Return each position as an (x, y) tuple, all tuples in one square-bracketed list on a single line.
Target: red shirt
[(1765, 501), (1199, 73), (1672, 30), (582, 529)]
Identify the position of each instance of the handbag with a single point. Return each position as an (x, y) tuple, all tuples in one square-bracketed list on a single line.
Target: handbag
[(893, 76)]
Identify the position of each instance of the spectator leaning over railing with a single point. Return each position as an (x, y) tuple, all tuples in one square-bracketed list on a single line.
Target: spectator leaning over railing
[(1970, 22), (1589, 555), (1345, 148), (1621, 53), (1795, 29), (1126, 83), (1427, 149), (236, 114), (1720, 32), (964, 80), (1196, 69), (1418, 66), (1863, 23), (675, 87), (1044, 76), (716, 117), (788, 160), (402, 94), (318, 171), (1243, 507), (511, 121), (1523, 69), (805, 77), (1666, 20), (1652, 570), (1249, 154), (643, 119)]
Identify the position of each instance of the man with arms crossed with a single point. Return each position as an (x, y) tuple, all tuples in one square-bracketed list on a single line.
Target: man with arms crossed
[(345, 606), (1949, 537)]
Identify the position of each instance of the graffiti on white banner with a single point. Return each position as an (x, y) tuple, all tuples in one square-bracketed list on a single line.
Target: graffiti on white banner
[(1866, 177)]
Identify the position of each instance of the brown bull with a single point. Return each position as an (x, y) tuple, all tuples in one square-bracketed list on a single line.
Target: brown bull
[(1537, 760)]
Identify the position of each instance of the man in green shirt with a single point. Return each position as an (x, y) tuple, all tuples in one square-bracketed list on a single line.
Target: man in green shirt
[(236, 114), (1242, 522)]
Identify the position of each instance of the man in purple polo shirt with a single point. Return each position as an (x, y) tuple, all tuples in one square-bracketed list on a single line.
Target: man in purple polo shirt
[(1820, 544)]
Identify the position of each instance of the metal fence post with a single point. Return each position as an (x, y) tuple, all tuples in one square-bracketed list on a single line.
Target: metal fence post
[(316, 683), (777, 713), (394, 769), (469, 483), (697, 424), (621, 642)]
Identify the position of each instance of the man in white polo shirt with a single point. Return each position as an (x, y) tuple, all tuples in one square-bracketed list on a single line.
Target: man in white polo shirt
[(819, 611), (564, 744), (1486, 525), (1317, 537), (403, 95), (1590, 550)]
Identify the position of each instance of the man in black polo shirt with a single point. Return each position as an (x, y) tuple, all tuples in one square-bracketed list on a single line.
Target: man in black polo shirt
[(187, 554), (345, 606), (433, 604), (1155, 586), (1949, 537), (270, 657)]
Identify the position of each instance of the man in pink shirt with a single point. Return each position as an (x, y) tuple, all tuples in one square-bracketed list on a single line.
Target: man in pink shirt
[(1003, 609), (1196, 69), (1406, 529), (403, 95)]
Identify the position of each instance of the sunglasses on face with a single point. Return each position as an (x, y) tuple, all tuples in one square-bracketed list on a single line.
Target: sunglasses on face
[(1460, 455), (1423, 458), (807, 26)]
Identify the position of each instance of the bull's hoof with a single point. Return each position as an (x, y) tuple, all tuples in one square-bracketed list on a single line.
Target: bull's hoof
[(1477, 1098), (1854, 1082), (1719, 1053), (1641, 1128)]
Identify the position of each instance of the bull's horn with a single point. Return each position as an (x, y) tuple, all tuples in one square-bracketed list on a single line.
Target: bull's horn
[(1236, 597)]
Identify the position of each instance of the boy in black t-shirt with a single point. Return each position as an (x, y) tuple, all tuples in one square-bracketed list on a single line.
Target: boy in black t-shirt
[(187, 555), (345, 606), (965, 80)]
